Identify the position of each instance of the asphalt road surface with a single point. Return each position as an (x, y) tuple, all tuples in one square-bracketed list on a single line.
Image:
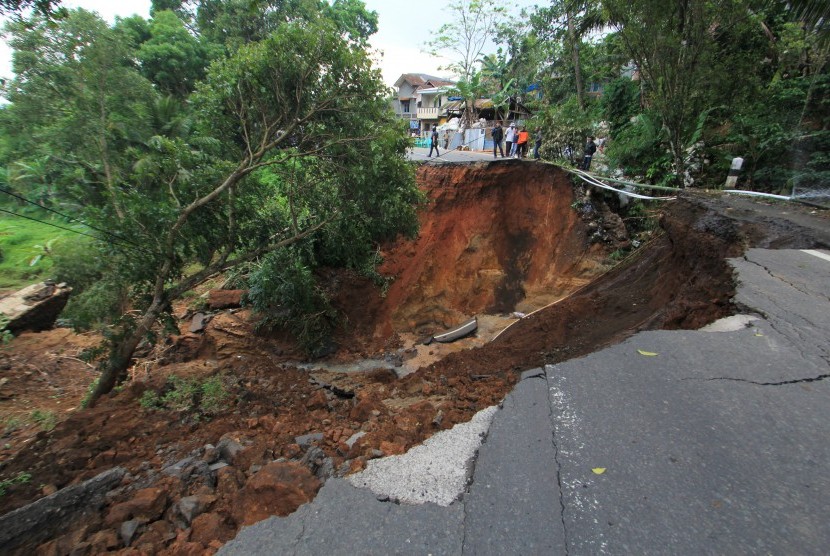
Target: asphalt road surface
[(422, 155), (715, 441)]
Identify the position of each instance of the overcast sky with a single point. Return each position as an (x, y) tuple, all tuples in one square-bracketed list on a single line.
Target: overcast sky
[(404, 27)]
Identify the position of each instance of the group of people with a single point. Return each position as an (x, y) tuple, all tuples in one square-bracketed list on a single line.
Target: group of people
[(516, 141)]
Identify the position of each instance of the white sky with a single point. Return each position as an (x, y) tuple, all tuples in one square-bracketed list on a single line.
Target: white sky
[(403, 28)]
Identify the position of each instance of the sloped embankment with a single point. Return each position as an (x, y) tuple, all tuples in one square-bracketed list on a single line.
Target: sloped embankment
[(494, 238)]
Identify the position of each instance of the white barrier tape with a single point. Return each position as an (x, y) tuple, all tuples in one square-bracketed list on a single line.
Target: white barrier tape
[(758, 194), (592, 181)]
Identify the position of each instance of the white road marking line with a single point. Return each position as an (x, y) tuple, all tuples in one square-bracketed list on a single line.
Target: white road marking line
[(818, 254)]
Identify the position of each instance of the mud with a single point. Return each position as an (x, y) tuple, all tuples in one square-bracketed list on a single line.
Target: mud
[(496, 238)]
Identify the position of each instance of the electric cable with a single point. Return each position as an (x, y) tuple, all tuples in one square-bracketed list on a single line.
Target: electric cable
[(52, 225), (111, 234)]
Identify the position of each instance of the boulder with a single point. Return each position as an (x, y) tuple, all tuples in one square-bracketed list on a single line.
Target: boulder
[(276, 489), (35, 307), (157, 534), (191, 506), (103, 541), (317, 400), (199, 322), (128, 530), (228, 449), (225, 299), (147, 505), (306, 440), (48, 516)]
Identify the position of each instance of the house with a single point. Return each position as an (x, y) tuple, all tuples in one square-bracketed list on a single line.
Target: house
[(419, 98), (514, 110)]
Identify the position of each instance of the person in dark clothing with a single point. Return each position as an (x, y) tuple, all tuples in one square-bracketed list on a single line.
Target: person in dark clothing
[(434, 143), (498, 135), (538, 143), (590, 149)]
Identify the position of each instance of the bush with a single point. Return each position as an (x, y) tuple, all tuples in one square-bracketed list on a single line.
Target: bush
[(100, 303), (565, 129), (97, 296), (203, 398), (78, 263), (638, 148), (285, 294)]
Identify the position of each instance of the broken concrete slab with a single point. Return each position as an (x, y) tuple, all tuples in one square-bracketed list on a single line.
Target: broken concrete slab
[(436, 471)]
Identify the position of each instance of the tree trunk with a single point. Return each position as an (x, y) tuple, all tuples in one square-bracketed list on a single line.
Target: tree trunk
[(678, 164), (114, 370), (580, 95)]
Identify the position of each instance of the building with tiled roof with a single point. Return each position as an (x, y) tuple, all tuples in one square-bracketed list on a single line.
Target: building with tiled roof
[(419, 97)]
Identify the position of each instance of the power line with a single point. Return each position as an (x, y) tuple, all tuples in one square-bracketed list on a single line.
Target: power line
[(24, 199), (50, 224)]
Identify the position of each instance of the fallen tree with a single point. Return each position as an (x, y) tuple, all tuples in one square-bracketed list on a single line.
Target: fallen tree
[(293, 141)]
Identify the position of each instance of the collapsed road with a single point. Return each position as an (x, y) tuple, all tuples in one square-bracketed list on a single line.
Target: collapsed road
[(587, 422)]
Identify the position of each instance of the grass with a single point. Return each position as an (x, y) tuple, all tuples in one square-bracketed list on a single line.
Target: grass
[(46, 420), (21, 241), (19, 479)]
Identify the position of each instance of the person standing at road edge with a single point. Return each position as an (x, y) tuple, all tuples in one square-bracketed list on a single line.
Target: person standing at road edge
[(524, 138), (590, 149), (538, 143), (509, 137), (498, 134), (434, 143)]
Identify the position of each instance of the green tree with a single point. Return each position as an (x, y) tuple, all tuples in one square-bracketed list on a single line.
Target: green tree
[(172, 58), (76, 78), (46, 8), (305, 93), (463, 40), (669, 44), (470, 89)]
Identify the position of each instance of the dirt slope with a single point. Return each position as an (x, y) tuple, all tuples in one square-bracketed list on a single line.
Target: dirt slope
[(495, 237)]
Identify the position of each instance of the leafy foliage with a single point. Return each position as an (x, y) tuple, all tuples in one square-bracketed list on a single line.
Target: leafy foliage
[(20, 479), (171, 57), (286, 138), (471, 25), (46, 420), (284, 291), (198, 398)]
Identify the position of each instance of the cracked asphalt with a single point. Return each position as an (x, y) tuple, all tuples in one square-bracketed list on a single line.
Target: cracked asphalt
[(671, 442)]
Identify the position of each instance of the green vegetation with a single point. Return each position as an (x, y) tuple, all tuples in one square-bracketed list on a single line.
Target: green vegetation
[(12, 424), (20, 479), (26, 248), (677, 89), (197, 398), (214, 135), (46, 420)]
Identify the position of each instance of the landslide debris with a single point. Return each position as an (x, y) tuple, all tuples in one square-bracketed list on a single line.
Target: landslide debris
[(496, 237)]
